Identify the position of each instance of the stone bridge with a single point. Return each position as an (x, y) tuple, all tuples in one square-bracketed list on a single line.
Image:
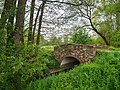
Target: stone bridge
[(75, 53)]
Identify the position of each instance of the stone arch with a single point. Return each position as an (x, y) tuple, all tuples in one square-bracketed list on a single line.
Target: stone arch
[(81, 52), (69, 61)]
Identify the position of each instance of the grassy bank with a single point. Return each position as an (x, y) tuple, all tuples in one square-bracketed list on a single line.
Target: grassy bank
[(102, 74)]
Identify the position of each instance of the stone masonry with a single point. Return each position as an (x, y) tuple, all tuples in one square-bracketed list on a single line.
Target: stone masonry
[(81, 52)]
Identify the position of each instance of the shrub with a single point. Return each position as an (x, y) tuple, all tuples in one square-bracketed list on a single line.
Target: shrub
[(23, 66), (80, 37), (115, 40), (48, 53), (102, 74)]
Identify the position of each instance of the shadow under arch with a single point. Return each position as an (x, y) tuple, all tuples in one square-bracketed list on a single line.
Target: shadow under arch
[(69, 62)]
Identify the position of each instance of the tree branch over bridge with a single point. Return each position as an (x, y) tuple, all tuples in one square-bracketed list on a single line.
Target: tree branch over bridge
[(67, 3)]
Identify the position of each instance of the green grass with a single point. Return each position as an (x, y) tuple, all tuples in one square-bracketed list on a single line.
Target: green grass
[(102, 74), (113, 48)]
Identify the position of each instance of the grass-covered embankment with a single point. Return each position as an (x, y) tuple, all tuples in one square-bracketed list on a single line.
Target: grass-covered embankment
[(102, 74)]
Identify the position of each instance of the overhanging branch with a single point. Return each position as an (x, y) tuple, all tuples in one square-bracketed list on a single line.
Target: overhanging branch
[(65, 3)]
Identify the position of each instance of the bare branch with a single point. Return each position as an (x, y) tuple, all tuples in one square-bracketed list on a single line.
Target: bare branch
[(65, 3)]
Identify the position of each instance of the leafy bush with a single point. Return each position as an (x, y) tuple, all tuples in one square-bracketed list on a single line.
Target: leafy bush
[(98, 40), (23, 66), (80, 37), (115, 41), (102, 74), (48, 53)]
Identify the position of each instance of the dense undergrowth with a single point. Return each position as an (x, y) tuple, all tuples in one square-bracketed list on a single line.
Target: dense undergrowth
[(102, 74), (19, 67)]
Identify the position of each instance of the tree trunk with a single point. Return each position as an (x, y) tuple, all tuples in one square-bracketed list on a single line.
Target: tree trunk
[(31, 22), (118, 20), (7, 18), (40, 22), (4, 15), (35, 23), (19, 26), (10, 24), (103, 37)]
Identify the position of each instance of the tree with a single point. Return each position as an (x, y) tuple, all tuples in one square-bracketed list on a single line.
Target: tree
[(10, 23), (5, 14), (7, 25), (86, 11), (40, 21), (30, 36), (19, 25), (109, 25), (34, 27), (113, 8)]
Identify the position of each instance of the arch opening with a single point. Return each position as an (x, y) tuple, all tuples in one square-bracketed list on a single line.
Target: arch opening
[(69, 62)]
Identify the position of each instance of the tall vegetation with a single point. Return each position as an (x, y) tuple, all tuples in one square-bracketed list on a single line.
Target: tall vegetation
[(81, 37), (109, 26), (26, 25), (102, 74)]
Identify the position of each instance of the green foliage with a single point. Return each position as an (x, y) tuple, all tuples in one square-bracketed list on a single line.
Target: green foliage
[(98, 41), (55, 41), (48, 53), (80, 37), (108, 20), (23, 66), (113, 48), (113, 8), (2, 40), (116, 39), (102, 74)]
